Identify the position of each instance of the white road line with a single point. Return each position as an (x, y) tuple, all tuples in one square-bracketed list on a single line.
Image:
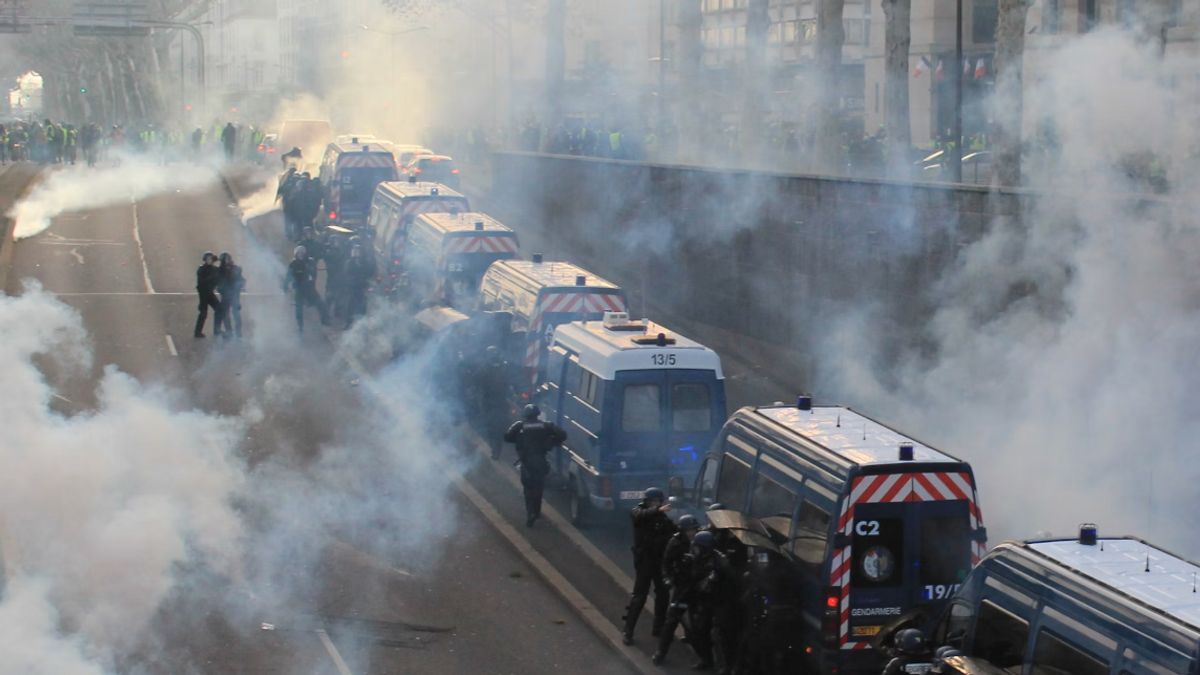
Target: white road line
[(77, 255), (555, 516), (591, 615), (333, 652), (137, 236), (166, 293), (171, 346)]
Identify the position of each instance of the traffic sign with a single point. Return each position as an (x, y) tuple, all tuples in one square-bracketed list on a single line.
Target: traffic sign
[(111, 19)]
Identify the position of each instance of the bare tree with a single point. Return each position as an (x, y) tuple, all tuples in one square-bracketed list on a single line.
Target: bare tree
[(756, 79), (556, 60), (831, 37), (691, 62), (1007, 101), (896, 42)]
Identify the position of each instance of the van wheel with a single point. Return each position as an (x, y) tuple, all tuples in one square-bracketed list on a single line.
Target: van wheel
[(578, 505)]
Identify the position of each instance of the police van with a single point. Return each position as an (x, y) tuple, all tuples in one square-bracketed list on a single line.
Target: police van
[(875, 523), (640, 405), (446, 256), (1086, 606), (349, 174), (540, 296), (394, 208)]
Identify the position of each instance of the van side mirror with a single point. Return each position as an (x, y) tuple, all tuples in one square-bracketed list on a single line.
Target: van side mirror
[(980, 535), (841, 540)]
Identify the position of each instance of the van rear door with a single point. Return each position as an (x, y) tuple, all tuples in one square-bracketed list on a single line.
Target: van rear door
[(912, 542), (696, 409), (639, 424)]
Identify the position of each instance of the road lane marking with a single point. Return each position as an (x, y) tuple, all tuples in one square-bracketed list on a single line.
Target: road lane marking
[(332, 650), (137, 236), (171, 346), (77, 255), (555, 516), (591, 615), (71, 294)]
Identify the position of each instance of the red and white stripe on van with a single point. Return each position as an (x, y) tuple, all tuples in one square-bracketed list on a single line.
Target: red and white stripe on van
[(497, 243), (892, 488), (565, 302)]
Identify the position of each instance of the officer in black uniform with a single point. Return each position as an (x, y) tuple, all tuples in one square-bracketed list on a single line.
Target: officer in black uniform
[(534, 438), (207, 277), (492, 392), (302, 278), (697, 582), (230, 283), (652, 529), (910, 648)]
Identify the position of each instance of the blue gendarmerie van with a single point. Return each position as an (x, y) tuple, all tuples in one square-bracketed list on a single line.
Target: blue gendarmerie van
[(640, 404), (872, 524), (1086, 606)]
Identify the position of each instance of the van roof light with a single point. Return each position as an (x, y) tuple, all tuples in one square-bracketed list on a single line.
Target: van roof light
[(661, 340), (612, 319), (1088, 534), (478, 225), (366, 148), (433, 191), (906, 452), (354, 140), (581, 280), (804, 402), (537, 258)]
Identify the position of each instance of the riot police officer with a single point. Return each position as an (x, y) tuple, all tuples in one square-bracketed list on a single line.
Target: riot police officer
[(652, 529), (207, 278), (492, 392), (695, 585), (534, 439), (910, 648)]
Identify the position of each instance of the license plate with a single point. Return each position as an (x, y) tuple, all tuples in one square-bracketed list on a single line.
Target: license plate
[(865, 631), (631, 494)]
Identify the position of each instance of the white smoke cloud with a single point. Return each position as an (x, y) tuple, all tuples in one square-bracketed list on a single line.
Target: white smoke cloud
[(100, 508), (76, 187), (1064, 351)]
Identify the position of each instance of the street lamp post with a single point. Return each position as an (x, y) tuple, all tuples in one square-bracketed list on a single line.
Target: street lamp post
[(662, 69), (956, 153)]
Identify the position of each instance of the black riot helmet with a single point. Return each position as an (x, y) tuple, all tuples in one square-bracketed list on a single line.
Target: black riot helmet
[(531, 412), (704, 540), (688, 522), (653, 494), (910, 641)]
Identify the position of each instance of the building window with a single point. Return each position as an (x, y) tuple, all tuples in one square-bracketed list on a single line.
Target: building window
[(1088, 14), (1051, 16), (1125, 13), (983, 21)]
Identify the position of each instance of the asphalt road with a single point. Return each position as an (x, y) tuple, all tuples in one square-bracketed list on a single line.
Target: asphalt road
[(375, 591)]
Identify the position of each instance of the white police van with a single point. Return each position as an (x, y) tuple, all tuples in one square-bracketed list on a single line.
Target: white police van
[(447, 255), (873, 522), (394, 207), (640, 404), (1086, 606), (540, 296)]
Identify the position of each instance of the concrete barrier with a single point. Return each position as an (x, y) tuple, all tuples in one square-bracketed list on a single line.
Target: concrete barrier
[(765, 258)]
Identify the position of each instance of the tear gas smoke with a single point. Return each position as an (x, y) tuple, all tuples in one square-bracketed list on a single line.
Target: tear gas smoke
[(77, 187), (100, 508), (1062, 353)]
